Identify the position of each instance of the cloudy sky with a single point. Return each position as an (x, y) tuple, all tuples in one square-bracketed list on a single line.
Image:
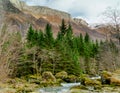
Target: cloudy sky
[(90, 10)]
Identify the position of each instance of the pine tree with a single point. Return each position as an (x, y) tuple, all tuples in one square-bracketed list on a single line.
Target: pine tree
[(69, 36), (35, 38), (81, 44), (69, 33), (87, 38), (63, 28), (30, 34), (49, 36), (61, 39), (41, 39)]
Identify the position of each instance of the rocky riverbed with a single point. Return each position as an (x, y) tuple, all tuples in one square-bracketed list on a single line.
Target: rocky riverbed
[(109, 83)]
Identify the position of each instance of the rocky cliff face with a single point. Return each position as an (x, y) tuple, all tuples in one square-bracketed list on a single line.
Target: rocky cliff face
[(80, 21), (9, 7), (41, 11), (18, 4), (19, 16)]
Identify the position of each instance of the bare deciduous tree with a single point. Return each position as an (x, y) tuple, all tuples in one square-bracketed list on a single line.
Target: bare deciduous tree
[(113, 18), (9, 51)]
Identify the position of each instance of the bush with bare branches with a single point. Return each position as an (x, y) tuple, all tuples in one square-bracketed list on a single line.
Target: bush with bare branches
[(10, 45)]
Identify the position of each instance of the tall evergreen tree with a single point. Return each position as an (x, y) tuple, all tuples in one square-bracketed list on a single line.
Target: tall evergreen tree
[(70, 31), (87, 38), (30, 34), (41, 38), (63, 28), (49, 35), (81, 44)]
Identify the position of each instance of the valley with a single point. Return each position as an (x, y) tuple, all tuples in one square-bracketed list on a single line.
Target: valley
[(44, 50)]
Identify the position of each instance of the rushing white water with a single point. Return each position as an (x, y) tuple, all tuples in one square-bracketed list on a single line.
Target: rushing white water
[(63, 89), (98, 77), (69, 84)]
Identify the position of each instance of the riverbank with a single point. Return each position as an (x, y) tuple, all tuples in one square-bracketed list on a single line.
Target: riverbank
[(108, 83), (104, 89), (18, 85)]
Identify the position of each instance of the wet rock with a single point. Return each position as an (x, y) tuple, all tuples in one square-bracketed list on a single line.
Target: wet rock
[(114, 81), (82, 78), (72, 79), (87, 81), (48, 79), (61, 75), (92, 82), (48, 76), (105, 77)]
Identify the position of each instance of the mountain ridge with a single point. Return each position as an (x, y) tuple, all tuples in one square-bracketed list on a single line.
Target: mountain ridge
[(19, 16)]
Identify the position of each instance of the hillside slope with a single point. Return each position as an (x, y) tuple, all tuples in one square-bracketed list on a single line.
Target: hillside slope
[(19, 16)]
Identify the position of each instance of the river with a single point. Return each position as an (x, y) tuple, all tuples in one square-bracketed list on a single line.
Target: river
[(64, 88)]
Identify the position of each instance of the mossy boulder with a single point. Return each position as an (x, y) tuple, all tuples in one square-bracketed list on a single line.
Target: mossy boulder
[(105, 77), (61, 75), (71, 79), (85, 80), (48, 76), (59, 81), (92, 82), (106, 74), (83, 77), (114, 81), (48, 79)]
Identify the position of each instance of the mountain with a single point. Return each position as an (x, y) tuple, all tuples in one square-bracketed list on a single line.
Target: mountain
[(17, 15)]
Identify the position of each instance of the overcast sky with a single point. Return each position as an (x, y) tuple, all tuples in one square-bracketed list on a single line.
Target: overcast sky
[(90, 10)]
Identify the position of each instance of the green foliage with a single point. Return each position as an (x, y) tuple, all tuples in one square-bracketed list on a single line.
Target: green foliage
[(63, 28), (49, 40), (39, 38), (87, 38), (30, 34), (55, 55), (41, 41), (69, 33)]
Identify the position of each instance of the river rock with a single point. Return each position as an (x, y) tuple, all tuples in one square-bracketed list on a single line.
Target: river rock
[(105, 77), (114, 81), (48, 76), (87, 81), (48, 79), (61, 75), (91, 82), (72, 79)]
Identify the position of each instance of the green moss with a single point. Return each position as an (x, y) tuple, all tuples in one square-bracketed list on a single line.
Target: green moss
[(80, 87), (48, 76), (61, 75), (106, 74)]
